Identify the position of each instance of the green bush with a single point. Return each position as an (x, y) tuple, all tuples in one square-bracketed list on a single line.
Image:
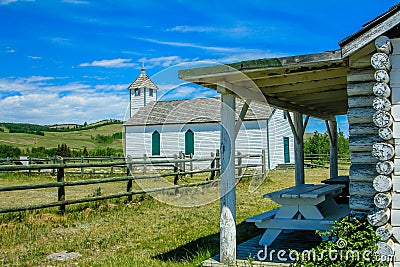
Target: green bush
[(349, 236)]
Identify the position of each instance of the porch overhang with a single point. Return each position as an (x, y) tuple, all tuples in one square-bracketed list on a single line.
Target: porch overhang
[(314, 84)]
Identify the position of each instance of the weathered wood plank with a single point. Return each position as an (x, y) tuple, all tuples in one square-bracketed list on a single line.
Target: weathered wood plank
[(362, 172), (361, 75), (363, 143), (363, 129), (360, 101), (361, 203), (362, 189), (360, 89), (362, 158), (360, 115)]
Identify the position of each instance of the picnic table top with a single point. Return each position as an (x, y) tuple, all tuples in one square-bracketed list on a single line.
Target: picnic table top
[(306, 191)]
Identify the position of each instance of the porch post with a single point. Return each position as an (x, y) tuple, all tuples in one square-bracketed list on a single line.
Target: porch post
[(299, 148), (331, 127), (228, 181)]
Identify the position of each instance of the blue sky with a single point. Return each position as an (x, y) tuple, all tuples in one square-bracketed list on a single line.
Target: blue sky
[(71, 61)]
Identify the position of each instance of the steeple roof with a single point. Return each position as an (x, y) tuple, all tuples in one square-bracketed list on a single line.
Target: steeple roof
[(143, 81)]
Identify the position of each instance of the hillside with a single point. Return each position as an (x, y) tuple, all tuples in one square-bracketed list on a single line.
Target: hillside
[(74, 139)]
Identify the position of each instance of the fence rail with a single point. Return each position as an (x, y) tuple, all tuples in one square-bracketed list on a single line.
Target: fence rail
[(178, 165)]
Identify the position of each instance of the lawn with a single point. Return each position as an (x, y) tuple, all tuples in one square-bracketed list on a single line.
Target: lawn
[(144, 232)]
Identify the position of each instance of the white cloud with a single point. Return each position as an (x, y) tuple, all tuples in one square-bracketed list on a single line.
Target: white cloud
[(11, 51), (208, 29), (110, 63), (38, 100), (162, 61), (6, 2), (34, 57), (76, 2)]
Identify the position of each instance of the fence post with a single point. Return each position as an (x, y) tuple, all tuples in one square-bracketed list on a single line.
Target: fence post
[(263, 161), (144, 165), (112, 167), (240, 169), (82, 169), (61, 188), (29, 163), (8, 161), (191, 164), (217, 162), (129, 172), (212, 173), (176, 171)]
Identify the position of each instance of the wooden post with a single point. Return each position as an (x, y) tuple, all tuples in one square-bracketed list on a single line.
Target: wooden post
[(176, 170), (212, 173), (331, 127), (298, 128), (263, 163), (112, 167), (240, 169), (228, 181), (82, 169), (144, 165), (61, 188), (191, 164), (129, 173), (217, 162), (29, 163)]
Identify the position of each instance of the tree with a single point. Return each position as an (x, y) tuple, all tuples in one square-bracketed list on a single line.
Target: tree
[(63, 151)]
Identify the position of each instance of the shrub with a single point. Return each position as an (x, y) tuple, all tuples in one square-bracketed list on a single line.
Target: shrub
[(350, 234)]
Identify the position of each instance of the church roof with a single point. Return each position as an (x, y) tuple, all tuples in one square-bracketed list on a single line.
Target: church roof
[(143, 81), (198, 110)]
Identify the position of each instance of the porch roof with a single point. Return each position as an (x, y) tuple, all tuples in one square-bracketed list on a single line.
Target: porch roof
[(313, 84)]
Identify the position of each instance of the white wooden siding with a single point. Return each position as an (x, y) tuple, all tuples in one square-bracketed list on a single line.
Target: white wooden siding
[(251, 139), (137, 102)]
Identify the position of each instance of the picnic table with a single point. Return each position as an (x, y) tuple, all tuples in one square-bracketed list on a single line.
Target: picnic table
[(303, 207)]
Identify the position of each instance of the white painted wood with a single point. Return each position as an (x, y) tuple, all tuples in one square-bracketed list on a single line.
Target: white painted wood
[(396, 183), (381, 89), (382, 119), (395, 217), (263, 216), (361, 189), (396, 112), (382, 76), (396, 201), (383, 44), (381, 103), (385, 167), (360, 115), (379, 218), (384, 232), (362, 172), (361, 88), (382, 183), (228, 181), (383, 151), (395, 46), (382, 200), (396, 232), (361, 203), (380, 61), (385, 133), (370, 35)]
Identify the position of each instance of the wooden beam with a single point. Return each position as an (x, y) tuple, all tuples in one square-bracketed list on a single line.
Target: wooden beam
[(242, 115), (289, 117), (331, 128), (305, 123), (228, 182), (299, 148)]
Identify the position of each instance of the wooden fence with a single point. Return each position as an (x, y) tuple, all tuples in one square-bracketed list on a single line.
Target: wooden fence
[(177, 163)]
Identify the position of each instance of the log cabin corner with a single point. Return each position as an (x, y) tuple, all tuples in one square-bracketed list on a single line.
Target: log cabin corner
[(360, 80)]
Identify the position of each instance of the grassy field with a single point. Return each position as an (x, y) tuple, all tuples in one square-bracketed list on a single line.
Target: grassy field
[(145, 232), (74, 139)]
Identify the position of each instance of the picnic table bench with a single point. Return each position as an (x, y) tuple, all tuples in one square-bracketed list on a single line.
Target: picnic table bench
[(303, 207)]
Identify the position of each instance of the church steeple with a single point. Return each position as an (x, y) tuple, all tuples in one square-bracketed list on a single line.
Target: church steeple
[(142, 91)]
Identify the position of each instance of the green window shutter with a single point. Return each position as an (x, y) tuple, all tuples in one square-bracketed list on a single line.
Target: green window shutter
[(155, 143), (286, 149), (189, 142)]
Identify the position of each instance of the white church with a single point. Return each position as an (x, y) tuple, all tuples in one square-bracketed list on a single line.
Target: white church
[(192, 126)]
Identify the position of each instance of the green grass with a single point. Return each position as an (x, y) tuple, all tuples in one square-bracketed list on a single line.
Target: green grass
[(145, 232), (74, 139)]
